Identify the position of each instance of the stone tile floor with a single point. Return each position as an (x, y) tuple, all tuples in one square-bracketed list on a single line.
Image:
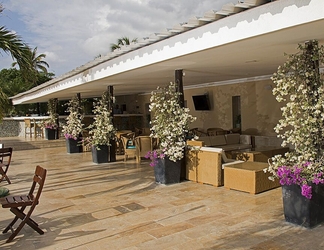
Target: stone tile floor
[(119, 206)]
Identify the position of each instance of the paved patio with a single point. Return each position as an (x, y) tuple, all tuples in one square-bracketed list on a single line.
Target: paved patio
[(119, 206)]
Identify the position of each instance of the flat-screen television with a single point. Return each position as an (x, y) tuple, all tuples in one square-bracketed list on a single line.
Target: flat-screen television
[(201, 102)]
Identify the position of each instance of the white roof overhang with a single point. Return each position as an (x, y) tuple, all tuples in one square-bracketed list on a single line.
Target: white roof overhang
[(249, 44)]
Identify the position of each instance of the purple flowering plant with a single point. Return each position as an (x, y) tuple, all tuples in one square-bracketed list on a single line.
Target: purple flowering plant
[(154, 156), (303, 175)]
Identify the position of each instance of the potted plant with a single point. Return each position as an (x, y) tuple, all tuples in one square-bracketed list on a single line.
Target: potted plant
[(102, 130), (50, 124), (72, 130), (300, 86), (169, 125)]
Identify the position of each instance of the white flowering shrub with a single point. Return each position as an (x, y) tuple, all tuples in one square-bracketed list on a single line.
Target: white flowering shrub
[(102, 130), (51, 110), (299, 84), (74, 126), (170, 122)]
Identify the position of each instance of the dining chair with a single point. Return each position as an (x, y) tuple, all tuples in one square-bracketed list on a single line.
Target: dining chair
[(129, 145), (143, 145), (38, 129), (5, 160), (18, 203), (29, 127)]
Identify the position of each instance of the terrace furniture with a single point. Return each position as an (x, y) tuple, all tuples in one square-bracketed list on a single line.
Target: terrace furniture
[(18, 203), (128, 145), (5, 160), (248, 177), (206, 165), (29, 127), (260, 154), (143, 144)]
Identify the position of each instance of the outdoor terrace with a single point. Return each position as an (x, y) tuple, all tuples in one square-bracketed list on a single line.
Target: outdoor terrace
[(119, 206)]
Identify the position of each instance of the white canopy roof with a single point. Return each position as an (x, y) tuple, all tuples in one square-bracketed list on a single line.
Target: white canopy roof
[(240, 42)]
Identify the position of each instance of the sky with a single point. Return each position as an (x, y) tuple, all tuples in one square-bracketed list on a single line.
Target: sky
[(74, 32)]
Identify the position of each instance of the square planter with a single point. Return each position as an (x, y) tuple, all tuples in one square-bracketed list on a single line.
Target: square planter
[(100, 155), (50, 134), (167, 171), (73, 146), (302, 211)]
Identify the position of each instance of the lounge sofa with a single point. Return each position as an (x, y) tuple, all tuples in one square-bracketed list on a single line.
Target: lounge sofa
[(206, 165)]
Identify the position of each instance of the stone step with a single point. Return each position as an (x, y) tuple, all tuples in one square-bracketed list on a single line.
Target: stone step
[(22, 144)]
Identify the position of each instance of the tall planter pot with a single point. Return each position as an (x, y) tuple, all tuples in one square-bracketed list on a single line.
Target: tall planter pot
[(100, 155), (73, 146), (302, 211), (50, 134), (167, 171)]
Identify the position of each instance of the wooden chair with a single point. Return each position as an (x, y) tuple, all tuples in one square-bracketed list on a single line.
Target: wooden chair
[(143, 145), (38, 129), (18, 204), (5, 160), (29, 127), (129, 150)]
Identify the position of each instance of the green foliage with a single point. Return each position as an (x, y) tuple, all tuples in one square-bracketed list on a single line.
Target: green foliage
[(122, 41), (300, 86), (12, 83), (102, 130), (74, 126), (170, 122)]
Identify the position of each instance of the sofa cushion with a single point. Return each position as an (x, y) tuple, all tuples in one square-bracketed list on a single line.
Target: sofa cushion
[(217, 140), (209, 149), (206, 140), (232, 147), (232, 139), (246, 139)]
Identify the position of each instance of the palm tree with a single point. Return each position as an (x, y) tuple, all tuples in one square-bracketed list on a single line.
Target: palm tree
[(38, 66), (122, 41), (12, 45), (37, 63)]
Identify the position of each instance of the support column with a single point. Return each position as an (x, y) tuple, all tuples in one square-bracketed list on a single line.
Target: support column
[(179, 85), (112, 151), (55, 100)]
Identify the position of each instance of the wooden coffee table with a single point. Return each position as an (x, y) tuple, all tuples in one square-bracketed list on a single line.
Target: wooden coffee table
[(248, 177)]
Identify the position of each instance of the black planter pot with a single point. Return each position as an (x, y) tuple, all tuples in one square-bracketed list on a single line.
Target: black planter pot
[(167, 171), (100, 155), (50, 134), (73, 146), (302, 211)]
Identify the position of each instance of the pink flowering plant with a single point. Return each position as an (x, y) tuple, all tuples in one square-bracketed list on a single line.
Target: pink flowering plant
[(74, 126), (300, 86), (169, 125)]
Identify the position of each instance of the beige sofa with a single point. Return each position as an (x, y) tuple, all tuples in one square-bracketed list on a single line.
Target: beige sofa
[(206, 165)]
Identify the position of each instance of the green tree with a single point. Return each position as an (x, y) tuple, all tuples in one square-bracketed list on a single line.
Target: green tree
[(12, 44), (122, 41)]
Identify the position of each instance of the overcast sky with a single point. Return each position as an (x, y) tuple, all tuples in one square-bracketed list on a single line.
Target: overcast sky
[(73, 32)]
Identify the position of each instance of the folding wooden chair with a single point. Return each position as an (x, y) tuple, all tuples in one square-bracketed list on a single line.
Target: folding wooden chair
[(18, 203), (5, 159)]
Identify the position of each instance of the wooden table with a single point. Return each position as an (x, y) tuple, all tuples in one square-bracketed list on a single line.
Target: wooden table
[(248, 177)]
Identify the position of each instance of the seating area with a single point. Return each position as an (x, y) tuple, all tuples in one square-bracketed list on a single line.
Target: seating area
[(222, 160)]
